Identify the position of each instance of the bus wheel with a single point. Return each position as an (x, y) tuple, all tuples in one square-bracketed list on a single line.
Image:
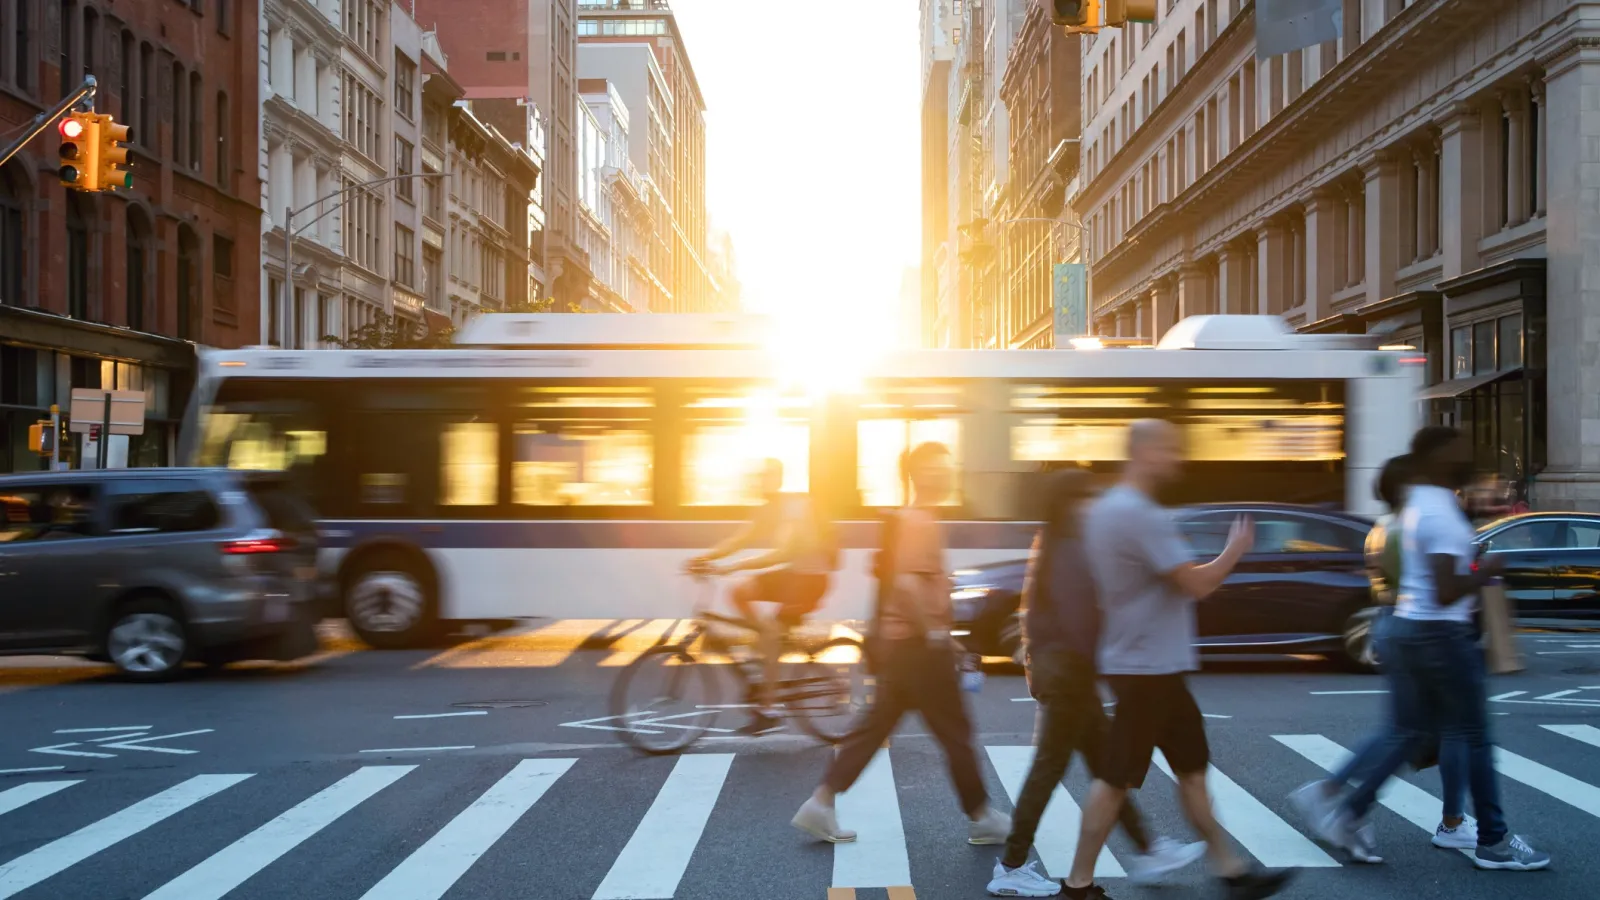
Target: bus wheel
[(390, 603)]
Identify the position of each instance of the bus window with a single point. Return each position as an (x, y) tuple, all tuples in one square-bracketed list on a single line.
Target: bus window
[(729, 431), (1283, 422), (469, 464), (582, 446), (1075, 423), (892, 422), (267, 426)]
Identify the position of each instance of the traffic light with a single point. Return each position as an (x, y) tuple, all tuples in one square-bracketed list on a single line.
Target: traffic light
[(1076, 16), (113, 155), (1121, 12), (42, 439), (80, 151)]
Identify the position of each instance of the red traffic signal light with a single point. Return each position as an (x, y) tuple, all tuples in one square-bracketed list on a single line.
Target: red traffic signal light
[(80, 152), (71, 129)]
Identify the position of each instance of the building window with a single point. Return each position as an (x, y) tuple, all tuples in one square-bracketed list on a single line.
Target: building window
[(138, 267), (224, 165), (188, 283), (68, 63), (404, 164), (145, 134), (494, 272), (363, 24), (274, 304), (433, 277), (405, 256), (1460, 352), (432, 193), (363, 114), (405, 80), (77, 259), (364, 212), (91, 40), (12, 240), (221, 256), (224, 16), (18, 66), (1483, 357)]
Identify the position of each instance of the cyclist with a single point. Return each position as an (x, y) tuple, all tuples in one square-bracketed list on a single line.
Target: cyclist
[(794, 576)]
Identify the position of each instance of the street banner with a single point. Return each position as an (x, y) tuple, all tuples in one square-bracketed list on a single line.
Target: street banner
[(1283, 26), (1071, 298)]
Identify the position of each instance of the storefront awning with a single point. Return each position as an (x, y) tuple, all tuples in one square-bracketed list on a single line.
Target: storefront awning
[(1455, 387)]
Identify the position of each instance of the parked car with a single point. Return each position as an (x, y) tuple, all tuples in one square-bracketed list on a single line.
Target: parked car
[(152, 568), (1552, 563), (1302, 589)]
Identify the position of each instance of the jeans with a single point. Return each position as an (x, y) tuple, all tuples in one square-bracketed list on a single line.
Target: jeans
[(1438, 687), (1071, 721)]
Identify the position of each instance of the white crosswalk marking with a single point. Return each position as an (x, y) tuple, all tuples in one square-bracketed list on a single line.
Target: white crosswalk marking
[(871, 808), (1568, 790), (653, 862), (236, 863), (1057, 838), (1586, 733), (58, 855), (23, 794), (438, 864), (1258, 829)]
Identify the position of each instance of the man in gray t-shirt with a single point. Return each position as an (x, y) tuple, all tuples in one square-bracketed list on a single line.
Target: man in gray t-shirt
[(1148, 582)]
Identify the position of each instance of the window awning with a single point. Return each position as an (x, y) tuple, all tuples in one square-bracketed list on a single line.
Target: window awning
[(1455, 387)]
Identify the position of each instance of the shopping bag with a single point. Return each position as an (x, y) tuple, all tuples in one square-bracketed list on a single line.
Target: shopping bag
[(1500, 637)]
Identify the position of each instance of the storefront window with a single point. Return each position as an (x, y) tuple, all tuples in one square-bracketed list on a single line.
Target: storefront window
[(729, 432), (1460, 352), (1483, 358), (1510, 342)]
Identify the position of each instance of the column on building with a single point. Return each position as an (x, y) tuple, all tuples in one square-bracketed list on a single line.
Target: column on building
[(1381, 173), (1540, 160), (1164, 300), (1271, 252), (1231, 280), (1514, 106), (1193, 291), (1321, 249), (1460, 188)]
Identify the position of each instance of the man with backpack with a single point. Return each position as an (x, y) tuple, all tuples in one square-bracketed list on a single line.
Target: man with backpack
[(794, 575)]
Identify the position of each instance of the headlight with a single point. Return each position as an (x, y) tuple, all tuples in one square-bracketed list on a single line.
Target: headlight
[(961, 594)]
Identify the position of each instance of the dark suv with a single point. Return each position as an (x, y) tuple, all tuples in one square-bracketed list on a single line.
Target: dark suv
[(152, 568)]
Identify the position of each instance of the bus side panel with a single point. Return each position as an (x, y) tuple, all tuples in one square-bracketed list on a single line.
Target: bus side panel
[(1381, 414)]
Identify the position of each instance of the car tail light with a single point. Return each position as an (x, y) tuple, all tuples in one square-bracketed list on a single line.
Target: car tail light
[(256, 544)]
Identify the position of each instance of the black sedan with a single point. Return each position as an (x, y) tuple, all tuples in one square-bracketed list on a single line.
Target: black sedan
[(1302, 589), (1552, 563)]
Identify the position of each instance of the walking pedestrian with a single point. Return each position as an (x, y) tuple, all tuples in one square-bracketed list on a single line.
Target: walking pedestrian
[(1318, 800), (1061, 627), (1148, 583), (918, 667), (1441, 680)]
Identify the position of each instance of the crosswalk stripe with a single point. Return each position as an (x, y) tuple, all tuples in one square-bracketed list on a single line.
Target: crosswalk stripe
[(1057, 838), (655, 858), (1258, 829), (430, 871), (1563, 787), (23, 794), (877, 857), (1412, 803), (236, 863), (1586, 733), (31, 868)]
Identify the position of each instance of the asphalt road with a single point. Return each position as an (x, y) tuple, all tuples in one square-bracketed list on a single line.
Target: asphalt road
[(485, 770)]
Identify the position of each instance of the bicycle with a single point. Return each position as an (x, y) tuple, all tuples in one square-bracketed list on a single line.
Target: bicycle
[(825, 692)]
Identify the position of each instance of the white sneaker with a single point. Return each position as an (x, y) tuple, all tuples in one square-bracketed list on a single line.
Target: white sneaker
[(991, 827), (821, 822), (1023, 881), (1318, 808), (1461, 837), (1165, 857), (1359, 839)]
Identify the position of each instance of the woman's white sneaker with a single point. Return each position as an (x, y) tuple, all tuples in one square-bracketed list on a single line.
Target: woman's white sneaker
[(1461, 837), (1023, 881), (821, 822), (1165, 857), (990, 827)]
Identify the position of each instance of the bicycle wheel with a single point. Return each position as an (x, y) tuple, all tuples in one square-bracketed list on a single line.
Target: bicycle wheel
[(832, 690), (663, 701)]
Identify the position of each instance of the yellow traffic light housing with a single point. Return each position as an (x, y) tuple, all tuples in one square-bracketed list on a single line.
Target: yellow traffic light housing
[(114, 169), (1076, 16), (42, 439), (80, 151), (1121, 12)]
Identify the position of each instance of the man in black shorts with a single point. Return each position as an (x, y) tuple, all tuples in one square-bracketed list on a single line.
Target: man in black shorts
[(1148, 584), (794, 575)]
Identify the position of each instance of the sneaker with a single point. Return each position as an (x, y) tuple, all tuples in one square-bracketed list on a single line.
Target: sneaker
[(1318, 808), (1256, 884), (991, 827), (821, 822), (1461, 837), (1165, 857), (1362, 843), (1511, 853), (760, 723), (1092, 892), (1023, 881)]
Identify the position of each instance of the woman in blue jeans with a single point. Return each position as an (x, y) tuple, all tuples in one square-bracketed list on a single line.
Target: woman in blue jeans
[(1436, 666), (1318, 800)]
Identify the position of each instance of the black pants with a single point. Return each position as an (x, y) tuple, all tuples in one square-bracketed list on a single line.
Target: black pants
[(1072, 721), (914, 676)]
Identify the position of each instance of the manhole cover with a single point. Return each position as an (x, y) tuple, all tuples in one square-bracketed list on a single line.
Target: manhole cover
[(499, 704), (1582, 670)]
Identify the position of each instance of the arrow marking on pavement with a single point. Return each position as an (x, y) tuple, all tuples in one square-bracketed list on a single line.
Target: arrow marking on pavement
[(56, 750), (137, 743)]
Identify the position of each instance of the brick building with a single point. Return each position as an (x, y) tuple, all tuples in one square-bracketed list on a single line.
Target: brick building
[(114, 290)]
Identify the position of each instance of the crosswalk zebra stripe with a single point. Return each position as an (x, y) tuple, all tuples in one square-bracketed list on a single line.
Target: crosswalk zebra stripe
[(1586, 733), (236, 863), (1569, 790), (430, 871), (23, 794), (1258, 829), (1057, 838), (31, 868), (655, 858), (877, 857)]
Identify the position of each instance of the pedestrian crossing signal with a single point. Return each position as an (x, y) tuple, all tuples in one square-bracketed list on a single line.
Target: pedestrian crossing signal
[(80, 149), (113, 155), (42, 439)]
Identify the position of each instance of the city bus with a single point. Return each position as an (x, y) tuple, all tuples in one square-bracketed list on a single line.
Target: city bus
[(566, 466)]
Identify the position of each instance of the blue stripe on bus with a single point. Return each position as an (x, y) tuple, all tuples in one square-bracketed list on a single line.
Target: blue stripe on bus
[(590, 535)]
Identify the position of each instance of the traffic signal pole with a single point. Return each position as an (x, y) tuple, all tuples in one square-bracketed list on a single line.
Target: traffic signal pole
[(43, 120)]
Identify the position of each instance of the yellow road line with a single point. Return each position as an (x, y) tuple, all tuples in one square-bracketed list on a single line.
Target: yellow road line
[(841, 894), (902, 893)]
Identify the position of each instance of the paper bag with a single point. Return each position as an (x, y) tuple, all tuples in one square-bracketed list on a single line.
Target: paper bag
[(1500, 638)]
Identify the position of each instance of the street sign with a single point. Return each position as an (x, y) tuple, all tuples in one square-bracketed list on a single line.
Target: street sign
[(1071, 301), (88, 411), (1284, 26)]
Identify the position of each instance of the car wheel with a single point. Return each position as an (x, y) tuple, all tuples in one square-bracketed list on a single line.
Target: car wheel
[(147, 640), (390, 603), (1360, 651)]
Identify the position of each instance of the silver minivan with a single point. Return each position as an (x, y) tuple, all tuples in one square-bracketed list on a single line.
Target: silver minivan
[(150, 569)]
